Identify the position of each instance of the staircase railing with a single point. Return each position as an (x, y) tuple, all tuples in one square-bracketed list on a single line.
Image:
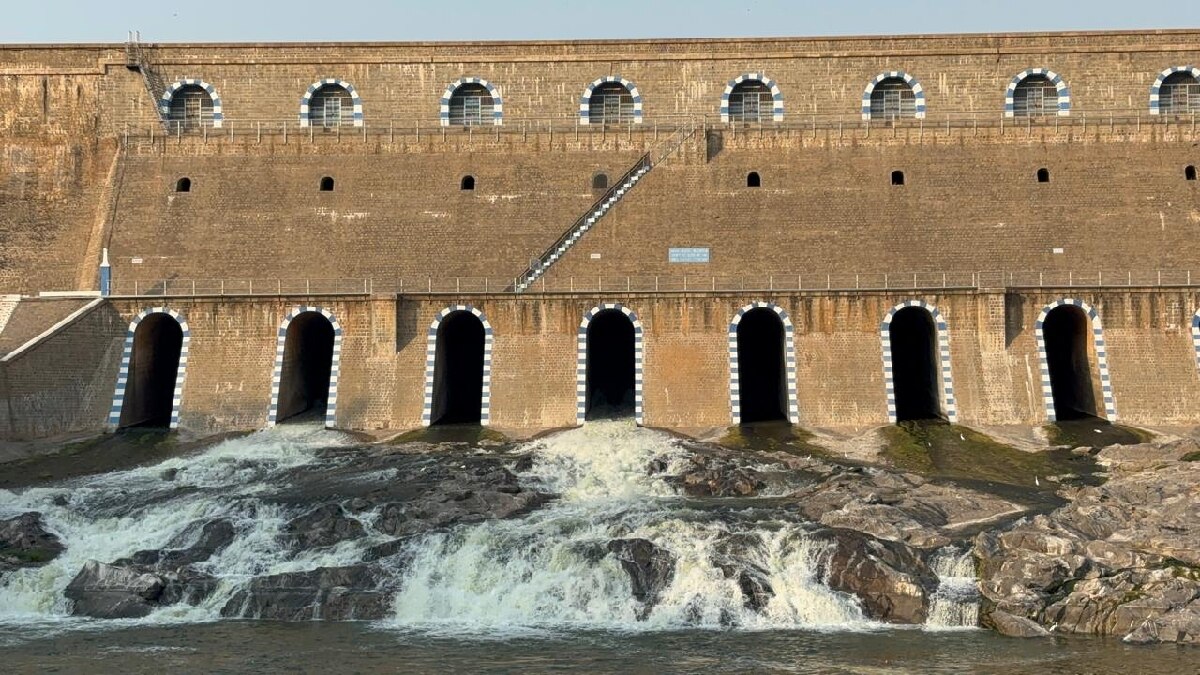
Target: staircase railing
[(136, 59), (645, 163), (539, 264)]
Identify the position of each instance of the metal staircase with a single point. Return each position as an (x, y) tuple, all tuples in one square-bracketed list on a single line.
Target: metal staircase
[(136, 59), (540, 265)]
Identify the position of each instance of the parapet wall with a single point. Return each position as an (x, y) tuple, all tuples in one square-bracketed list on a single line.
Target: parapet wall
[(1104, 70)]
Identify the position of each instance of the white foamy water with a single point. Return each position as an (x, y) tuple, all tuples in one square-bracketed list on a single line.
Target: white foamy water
[(111, 516), (550, 569), (955, 604)]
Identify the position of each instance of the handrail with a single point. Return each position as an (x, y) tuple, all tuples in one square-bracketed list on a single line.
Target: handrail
[(931, 281), (540, 261), (841, 121)]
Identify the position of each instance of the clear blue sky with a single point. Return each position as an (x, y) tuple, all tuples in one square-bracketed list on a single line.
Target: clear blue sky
[(228, 20)]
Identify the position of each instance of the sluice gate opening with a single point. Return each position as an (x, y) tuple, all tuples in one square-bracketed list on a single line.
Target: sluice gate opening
[(762, 373), (915, 366), (1068, 334), (307, 364), (458, 370), (611, 382), (153, 371)]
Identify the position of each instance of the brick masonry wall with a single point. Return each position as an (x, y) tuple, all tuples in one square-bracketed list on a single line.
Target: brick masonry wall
[(830, 208), (545, 79), (840, 379), (63, 385)]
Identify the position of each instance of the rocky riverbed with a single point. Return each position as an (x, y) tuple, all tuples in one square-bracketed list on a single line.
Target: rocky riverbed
[(614, 526)]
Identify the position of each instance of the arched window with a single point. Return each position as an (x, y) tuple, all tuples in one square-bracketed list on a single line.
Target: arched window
[(468, 183), (750, 101), (331, 106), (753, 180), (600, 181), (897, 178), (611, 103), (327, 184), (1043, 175), (183, 184), (1035, 96), (893, 98), (1180, 93), (191, 108), (1189, 172), (471, 105)]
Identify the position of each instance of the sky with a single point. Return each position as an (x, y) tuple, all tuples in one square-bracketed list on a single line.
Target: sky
[(313, 20)]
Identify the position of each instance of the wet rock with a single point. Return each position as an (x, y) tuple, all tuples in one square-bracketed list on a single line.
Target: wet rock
[(707, 476), (752, 581), (353, 593), (650, 568), (24, 542), (324, 526), (890, 580), (106, 591), (210, 537), (1015, 626), (468, 498)]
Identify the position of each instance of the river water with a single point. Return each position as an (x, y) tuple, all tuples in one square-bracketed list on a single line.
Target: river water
[(535, 593)]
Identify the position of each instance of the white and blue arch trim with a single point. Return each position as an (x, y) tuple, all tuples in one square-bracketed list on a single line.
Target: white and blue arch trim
[(585, 100), (917, 90), (1064, 92), (497, 102), (355, 99), (1110, 406), (581, 357), (1156, 88), (334, 366), (485, 410), (164, 103), (776, 95), (946, 391), (114, 414), (1196, 336), (789, 362)]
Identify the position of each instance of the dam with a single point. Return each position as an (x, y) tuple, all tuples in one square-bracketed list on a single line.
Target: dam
[(771, 343)]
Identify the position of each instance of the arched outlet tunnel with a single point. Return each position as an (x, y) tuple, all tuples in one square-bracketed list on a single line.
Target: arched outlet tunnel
[(762, 374), (610, 365), (915, 366), (153, 370), (307, 364), (1067, 333), (458, 370)]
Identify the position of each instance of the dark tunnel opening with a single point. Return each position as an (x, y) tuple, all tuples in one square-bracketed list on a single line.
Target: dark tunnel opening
[(153, 369), (307, 362), (458, 370), (914, 365), (1066, 331), (610, 365), (762, 379)]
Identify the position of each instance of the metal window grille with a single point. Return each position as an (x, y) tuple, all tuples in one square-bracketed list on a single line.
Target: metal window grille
[(471, 105), (610, 103), (893, 99), (191, 108), (1035, 96), (331, 106), (1180, 94), (750, 101)]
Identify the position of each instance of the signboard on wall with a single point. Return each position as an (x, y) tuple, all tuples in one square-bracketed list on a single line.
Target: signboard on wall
[(687, 255)]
